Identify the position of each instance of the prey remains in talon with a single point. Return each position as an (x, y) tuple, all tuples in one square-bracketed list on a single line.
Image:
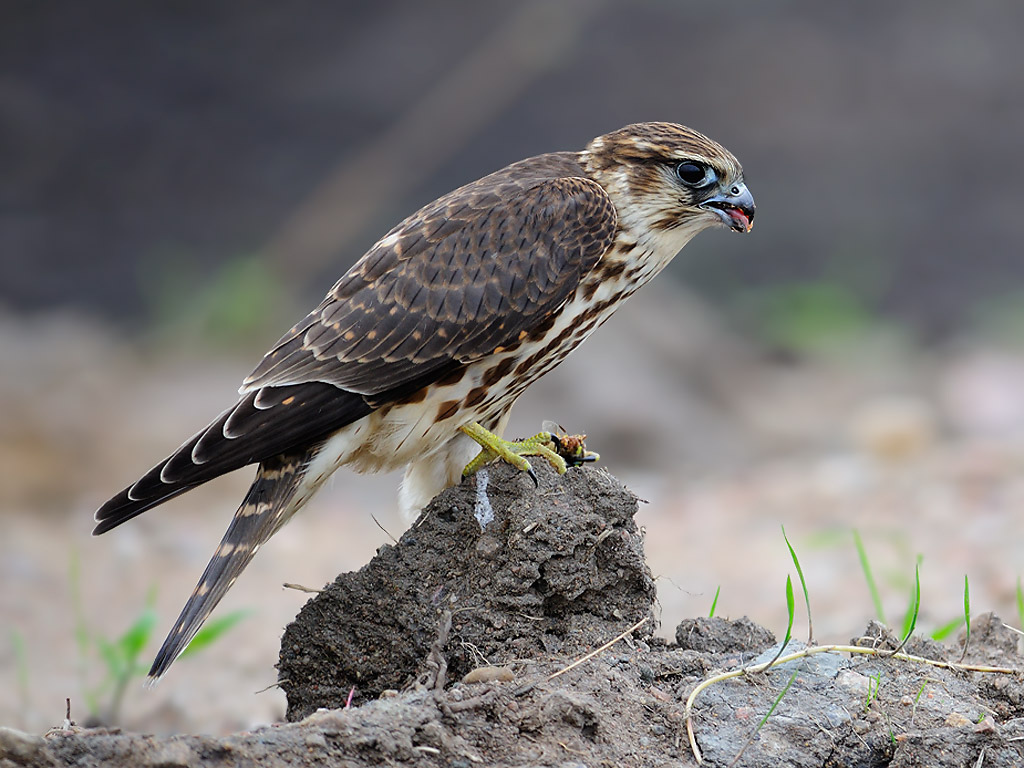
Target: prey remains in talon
[(560, 450), (571, 448)]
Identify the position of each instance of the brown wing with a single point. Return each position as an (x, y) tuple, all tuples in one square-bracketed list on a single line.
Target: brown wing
[(464, 275)]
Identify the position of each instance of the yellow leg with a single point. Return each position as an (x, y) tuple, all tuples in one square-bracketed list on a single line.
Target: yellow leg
[(550, 446)]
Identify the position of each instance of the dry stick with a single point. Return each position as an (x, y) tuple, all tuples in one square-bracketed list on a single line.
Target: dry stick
[(806, 652), (386, 531), (300, 588), (529, 686), (596, 651)]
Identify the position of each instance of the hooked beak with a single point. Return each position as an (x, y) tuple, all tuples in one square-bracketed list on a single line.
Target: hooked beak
[(734, 206)]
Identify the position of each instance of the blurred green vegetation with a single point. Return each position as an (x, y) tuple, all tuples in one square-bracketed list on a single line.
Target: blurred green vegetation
[(814, 318), (106, 666), (240, 303)]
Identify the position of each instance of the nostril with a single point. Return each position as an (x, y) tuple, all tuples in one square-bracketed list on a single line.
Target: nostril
[(735, 190)]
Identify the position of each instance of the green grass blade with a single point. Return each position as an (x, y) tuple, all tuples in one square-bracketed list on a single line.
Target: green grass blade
[(967, 616), (135, 638), (214, 629), (865, 566), (803, 586), (112, 657), (873, 685), (778, 698), (947, 629), (764, 719), (920, 691), (714, 603), (915, 606), (791, 607)]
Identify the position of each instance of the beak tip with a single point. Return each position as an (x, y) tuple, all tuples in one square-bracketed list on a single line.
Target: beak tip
[(736, 209)]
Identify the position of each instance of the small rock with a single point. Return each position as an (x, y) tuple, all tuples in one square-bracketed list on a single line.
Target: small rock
[(985, 726), (489, 675), (956, 720)]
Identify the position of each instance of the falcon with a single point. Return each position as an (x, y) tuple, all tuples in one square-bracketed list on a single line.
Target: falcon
[(417, 354)]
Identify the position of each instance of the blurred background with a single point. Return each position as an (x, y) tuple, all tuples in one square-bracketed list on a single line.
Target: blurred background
[(181, 182)]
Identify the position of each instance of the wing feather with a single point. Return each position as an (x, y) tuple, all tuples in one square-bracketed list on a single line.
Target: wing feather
[(467, 274)]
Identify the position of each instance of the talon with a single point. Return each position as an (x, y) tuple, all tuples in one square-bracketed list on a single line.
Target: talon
[(513, 451)]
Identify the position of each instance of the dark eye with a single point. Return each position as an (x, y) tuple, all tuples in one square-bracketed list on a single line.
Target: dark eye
[(695, 174)]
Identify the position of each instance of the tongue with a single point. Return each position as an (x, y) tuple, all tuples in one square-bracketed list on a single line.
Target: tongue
[(740, 220)]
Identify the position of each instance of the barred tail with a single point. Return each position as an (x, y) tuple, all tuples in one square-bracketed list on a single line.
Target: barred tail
[(271, 501)]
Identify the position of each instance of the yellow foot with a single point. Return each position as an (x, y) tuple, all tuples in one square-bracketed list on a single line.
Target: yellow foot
[(560, 451)]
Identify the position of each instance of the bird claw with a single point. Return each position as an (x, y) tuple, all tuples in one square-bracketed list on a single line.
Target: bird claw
[(514, 451)]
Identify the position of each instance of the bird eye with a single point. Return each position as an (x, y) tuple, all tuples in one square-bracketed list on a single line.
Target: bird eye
[(695, 174)]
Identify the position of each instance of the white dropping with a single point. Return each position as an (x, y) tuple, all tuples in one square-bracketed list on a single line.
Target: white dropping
[(482, 508)]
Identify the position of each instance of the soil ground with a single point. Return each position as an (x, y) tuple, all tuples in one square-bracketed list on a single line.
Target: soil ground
[(458, 642)]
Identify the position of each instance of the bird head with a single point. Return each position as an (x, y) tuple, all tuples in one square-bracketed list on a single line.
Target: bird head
[(670, 180)]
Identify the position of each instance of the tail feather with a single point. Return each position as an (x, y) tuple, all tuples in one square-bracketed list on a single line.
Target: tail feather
[(269, 504), (123, 508), (263, 423)]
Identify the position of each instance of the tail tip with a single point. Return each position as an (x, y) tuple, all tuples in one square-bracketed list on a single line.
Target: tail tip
[(152, 680)]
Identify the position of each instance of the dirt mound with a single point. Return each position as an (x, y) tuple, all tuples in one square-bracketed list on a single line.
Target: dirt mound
[(554, 573), (504, 606)]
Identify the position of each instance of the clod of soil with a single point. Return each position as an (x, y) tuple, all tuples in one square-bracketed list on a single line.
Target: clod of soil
[(556, 573), (717, 635)]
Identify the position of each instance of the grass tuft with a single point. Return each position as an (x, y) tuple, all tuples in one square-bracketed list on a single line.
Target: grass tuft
[(213, 630), (803, 586), (714, 603), (967, 616), (910, 622), (865, 566)]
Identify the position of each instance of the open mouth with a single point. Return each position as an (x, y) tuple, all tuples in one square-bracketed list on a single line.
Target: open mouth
[(736, 218)]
